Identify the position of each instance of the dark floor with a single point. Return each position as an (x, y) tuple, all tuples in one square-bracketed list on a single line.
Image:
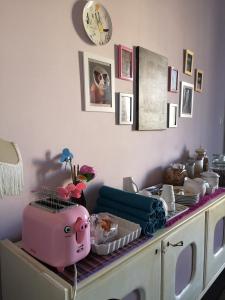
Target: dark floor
[(217, 290)]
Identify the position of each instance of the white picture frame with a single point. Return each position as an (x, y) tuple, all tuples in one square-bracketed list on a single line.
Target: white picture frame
[(99, 83), (186, 99), (172, 114), (198, 80), (173, 76), (188, 62), (126, 104)]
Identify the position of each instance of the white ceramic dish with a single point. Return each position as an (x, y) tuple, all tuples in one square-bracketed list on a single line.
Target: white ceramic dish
[(179, 190), (185, 198), (127, 232)]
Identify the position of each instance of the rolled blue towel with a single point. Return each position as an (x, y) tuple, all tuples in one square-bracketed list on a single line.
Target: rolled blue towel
[(148, 228), (131, 199), (137, 213), (160, 223), (160, 213)]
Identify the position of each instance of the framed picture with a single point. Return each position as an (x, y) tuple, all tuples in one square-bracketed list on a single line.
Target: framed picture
[(173, 76), (188, 61), (99, 86), (186, 99), (125, 66), (172, 115), (198, 80), (151, 90), (125, 109)]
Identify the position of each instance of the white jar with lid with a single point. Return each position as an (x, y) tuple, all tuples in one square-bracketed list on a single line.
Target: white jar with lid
[(212, 178)]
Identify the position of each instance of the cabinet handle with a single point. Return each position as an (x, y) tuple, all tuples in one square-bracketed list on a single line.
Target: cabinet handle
[(179, 244)]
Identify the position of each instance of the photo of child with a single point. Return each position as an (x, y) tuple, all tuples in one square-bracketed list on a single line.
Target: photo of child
[(100, 83)]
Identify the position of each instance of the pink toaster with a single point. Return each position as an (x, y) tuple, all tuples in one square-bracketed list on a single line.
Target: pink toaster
[(56, 232)]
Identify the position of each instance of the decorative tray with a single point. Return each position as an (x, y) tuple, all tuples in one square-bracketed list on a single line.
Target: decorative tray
[(127, 232)]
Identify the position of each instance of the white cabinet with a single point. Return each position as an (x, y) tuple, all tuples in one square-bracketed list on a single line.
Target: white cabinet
[(215, 248), (24, 278), (142, 272), (183, 261), (171, 266)]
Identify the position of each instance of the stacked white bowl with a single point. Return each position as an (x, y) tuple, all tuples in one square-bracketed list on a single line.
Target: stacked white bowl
[(168, 196), (212, 178)]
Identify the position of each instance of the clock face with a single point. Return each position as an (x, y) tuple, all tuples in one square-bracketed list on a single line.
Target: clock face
[(97, 23)]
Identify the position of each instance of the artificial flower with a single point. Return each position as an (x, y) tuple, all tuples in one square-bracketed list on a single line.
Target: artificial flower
[(76, 193), (63, 193), (78, 175), (66, 155), (80, 186), (71, 187), (88, 172), (81, 178), (71, 190), (86, 169), (83, 174)]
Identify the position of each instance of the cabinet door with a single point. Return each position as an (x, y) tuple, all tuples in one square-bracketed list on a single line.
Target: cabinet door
[(140, 273), (24, 278), (182, 261), (215, 248)]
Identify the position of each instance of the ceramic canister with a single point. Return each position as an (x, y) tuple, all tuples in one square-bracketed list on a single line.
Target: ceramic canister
[(212, 178)]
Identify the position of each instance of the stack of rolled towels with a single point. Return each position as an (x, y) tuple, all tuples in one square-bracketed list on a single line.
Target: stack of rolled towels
[(146, 211)]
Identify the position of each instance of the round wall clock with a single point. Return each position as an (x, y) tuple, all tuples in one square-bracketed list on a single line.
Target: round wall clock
[(97, 23)]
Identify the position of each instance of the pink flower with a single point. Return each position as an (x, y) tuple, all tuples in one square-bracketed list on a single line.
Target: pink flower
[(87, 170), (71, 190), (63, 193), (71, 187), (78, 189), (81, 186), (76, 194)]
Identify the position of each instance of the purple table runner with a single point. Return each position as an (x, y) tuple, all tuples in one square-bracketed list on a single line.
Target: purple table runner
[(94, 262), (202, 201)]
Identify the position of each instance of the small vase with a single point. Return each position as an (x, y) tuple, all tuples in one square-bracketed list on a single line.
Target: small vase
[(80, 201)]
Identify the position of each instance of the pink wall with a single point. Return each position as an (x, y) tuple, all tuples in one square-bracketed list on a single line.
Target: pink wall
[(40, 91)]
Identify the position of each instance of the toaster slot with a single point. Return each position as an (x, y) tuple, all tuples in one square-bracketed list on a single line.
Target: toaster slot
[(50, 204), (53, 205)]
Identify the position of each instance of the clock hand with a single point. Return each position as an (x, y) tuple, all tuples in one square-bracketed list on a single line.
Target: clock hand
[(98, 21), (97, 16), (87, 19)]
